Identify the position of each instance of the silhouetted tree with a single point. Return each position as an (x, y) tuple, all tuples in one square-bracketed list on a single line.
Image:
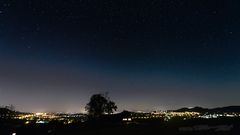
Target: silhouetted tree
[(7, 112), (100, 104), (10, 107), (110, 107)]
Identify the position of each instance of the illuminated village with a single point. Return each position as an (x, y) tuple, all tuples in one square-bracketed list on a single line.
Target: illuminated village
[(65, 118)]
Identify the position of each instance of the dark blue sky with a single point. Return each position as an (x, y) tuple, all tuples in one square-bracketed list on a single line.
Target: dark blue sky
[(148, 54)]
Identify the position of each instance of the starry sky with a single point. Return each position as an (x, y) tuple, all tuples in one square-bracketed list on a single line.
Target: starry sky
[(148, 54)]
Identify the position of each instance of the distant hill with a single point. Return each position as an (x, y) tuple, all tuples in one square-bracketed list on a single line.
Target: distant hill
[(227, 109), (213, 110), (195, 109)]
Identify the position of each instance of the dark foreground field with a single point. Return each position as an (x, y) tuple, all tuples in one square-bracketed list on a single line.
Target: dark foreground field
[(230, 126)]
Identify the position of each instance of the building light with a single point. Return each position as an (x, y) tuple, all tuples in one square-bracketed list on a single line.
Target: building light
[(41, 122), (125, 119), (39, 113)]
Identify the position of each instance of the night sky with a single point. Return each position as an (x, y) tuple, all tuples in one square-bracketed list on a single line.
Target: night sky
[(148, 54)]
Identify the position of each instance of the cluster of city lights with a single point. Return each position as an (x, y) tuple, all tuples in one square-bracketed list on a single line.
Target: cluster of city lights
[(166, 115), (42, 118)]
